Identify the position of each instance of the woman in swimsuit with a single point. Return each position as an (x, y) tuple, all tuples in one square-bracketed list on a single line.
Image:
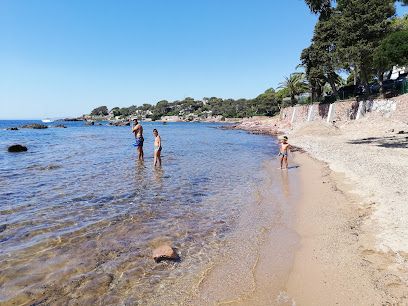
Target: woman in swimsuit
[(157, 148)]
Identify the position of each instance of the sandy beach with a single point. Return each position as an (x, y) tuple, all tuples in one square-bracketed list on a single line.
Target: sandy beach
[(335, 264), (204, 153), (351, 217)]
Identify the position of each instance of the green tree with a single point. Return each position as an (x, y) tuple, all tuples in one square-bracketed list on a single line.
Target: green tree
[(321, 6), (145, 107), (320, 60), (314, 73), (401, 23), (100, 111), (393, 51), (318, 6), (124, 111), (295, 84), (361, 26), (265, 104), (115, 111)]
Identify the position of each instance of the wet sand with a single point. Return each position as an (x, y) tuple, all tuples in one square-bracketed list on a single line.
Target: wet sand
[(258, 259), (313, 253)]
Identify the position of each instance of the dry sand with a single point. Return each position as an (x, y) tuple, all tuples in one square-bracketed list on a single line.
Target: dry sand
[(374, 157), (332, 266), (353, 213)]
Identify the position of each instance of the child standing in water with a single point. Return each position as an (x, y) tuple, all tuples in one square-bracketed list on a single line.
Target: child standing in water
[(157, 148), (283, 152)]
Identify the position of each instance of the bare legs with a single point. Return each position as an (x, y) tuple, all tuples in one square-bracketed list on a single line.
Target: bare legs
[(157, 158), (140, 153), (284, 160)]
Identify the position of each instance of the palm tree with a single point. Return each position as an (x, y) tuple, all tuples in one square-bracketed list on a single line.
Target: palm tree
[(295, 84)]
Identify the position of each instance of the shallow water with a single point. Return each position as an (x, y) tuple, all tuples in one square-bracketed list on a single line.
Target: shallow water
[(79, 216)]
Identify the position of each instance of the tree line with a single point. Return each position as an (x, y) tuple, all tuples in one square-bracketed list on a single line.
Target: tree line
[(363, 38), (265, 104), (360, 38)]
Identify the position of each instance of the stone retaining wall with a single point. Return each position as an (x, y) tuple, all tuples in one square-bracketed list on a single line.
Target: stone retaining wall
[(345, 110), (401, 111), (301, 113), (286, 114), (395, 108)]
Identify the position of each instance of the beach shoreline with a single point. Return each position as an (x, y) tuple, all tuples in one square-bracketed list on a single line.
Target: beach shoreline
[(347, 253), (309, 236), (324, 256)]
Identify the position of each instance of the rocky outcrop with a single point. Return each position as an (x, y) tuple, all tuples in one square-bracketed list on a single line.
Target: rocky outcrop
[(73, 119), (119, 123), (35, 126), (90, 123), (12, 129), (165, 252), (17, 148)]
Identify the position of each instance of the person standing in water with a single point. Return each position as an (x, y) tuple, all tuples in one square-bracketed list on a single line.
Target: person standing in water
[(283, 152), (137, 129), (157, 148)]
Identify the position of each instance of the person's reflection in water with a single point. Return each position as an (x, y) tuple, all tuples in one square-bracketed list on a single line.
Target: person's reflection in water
[(285, 183), (158, 176), (140, 172)]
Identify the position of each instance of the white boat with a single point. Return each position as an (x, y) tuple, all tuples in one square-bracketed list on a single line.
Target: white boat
[(47, 120)]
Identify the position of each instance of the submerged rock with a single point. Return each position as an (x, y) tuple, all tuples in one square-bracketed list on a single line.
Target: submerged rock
[(3, 227), (60, 126), (90, 123), (12, 129), (17, 148), (49, 167), (35, 126), (165, 252)]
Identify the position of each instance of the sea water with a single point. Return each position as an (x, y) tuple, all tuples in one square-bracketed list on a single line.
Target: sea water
[(80, 216)]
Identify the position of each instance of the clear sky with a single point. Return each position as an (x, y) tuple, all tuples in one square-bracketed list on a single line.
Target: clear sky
[(63, 58)]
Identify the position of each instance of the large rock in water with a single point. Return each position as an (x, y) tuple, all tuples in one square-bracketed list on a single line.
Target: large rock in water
[(165, 252), (35, 126), (17, 148)]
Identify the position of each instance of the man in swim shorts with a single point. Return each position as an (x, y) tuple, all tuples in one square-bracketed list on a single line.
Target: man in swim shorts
[(137, 129)]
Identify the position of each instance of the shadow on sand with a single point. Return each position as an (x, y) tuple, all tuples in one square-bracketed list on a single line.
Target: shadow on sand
[(385, 142)]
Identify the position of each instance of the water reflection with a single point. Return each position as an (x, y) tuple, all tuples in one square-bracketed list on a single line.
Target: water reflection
[(140, 171), (158, 175)]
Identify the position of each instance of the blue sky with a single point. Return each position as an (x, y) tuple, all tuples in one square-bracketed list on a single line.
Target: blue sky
[(63, 58)]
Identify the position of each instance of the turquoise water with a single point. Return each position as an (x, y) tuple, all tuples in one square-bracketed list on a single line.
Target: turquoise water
[(79, 216)]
